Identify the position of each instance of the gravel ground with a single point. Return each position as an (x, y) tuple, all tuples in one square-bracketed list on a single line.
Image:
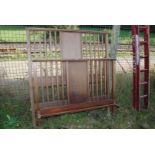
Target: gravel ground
[(19, 69)]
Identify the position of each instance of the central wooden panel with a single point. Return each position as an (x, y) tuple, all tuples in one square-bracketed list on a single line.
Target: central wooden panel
[(77, 78), (70, 44)]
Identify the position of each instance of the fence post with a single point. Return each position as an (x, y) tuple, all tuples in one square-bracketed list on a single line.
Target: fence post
[(114, 41), (113, 54)]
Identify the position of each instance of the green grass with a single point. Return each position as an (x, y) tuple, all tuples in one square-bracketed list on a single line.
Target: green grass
[(16, 113), (12, 33), (18, 34)]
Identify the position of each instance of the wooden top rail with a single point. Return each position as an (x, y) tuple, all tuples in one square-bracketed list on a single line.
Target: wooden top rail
[(66, 30), (66, 60)]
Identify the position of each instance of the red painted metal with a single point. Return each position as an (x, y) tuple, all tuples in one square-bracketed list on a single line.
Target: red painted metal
[(146, 66), (137, 71)]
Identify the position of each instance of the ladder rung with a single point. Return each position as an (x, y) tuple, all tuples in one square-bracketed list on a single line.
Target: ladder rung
[(143, 42), (143, 70), (142, 27), (144, 96), (145, 56), (143, 83)]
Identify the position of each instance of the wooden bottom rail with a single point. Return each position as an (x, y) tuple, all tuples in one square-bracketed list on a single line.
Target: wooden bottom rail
[(72, 108)]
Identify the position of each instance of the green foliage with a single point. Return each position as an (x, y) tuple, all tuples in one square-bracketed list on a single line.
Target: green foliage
[(16, 114)]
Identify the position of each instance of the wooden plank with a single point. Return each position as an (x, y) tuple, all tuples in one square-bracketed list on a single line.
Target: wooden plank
[(101, 77), (55, 45), (52, 84), (50, 44), (36, 90), (45, 46), (93, 78), (70, 45), (94, 47), (69, 60), (102, 46), (77, 77), (42, 83), (98, 45), (88, 78), (76, 107), (34, 43), (62, 81), (66, 30), (30, 79), (46, 82), (113, 78), (90, 48), (96, 72)]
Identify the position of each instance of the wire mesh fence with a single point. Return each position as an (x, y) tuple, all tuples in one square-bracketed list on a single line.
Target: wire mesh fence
[(13, 62), (14, 58)]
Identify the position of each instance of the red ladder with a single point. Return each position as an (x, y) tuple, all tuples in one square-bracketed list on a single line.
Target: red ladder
[(140, 75)]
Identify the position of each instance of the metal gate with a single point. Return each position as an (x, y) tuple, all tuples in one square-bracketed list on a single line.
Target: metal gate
[(69, 71)]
